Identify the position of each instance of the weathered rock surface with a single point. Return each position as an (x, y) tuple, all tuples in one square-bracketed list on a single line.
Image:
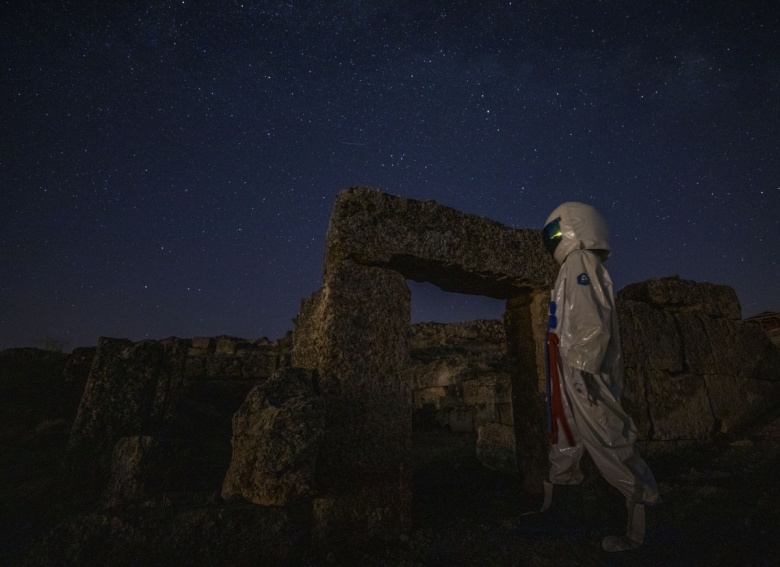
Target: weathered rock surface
[(276, 438), (361, 356), (679, 407), (693, 368), (691, 372), (200, 535), (496, 447), (133, 389), (459, 374), (769, 323), (675, 295), (354, 334), (179, 390), (461, 381), (153, 427), (347, 518), (426, 241), (143, 466)]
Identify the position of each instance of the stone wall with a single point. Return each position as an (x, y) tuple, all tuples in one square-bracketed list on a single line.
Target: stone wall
[(179, 394), (459, 376), (693, 367)]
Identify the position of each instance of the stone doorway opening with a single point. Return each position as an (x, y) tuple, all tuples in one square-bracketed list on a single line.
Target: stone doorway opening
[(463, 440), (355, 334), (458, 371)]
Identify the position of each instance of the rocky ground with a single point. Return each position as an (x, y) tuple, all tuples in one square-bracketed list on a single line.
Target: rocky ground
[(720, 507)]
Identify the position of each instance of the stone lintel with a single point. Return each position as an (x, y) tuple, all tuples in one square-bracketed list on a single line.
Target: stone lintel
[(426, 241)]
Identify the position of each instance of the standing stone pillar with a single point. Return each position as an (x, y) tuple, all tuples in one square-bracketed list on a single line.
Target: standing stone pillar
[(355, 331), (525, 321)]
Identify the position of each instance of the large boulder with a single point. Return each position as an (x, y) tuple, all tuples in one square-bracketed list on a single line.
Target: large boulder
[(276, 436)]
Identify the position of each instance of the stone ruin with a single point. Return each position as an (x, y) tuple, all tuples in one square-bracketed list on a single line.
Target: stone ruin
[(692, 367), (308, 439)]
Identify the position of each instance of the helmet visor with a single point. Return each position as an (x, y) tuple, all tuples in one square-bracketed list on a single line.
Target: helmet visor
[(551, 234)]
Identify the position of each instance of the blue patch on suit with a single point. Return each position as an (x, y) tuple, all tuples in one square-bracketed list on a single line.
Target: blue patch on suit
[(553, 319), (583, 279)]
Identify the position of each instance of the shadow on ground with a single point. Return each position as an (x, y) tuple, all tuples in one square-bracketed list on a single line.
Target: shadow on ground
[(719, 508)]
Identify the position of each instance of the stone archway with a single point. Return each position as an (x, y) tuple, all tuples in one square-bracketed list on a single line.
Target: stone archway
[(354, 332)]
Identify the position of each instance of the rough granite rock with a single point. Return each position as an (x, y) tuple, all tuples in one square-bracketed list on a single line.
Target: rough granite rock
[(691, 338), (760, 356), (481, 335), (204, 535), (173, 389), (144, 466), (696, 347), (309, 331), (649, 337), (538, 309), (525, 322), (426, 241), (725, 336), (459, 374), (133, 388), (363, 350), (376, 510), (634, 401), (677, 295), (276, 435), (496, 447), (729, 399), (679, 406)]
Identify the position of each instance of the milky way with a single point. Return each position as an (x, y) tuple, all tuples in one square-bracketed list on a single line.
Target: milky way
[(168, 168)]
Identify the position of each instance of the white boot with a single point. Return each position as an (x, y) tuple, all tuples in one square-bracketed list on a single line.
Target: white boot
[(547, 502), (635, 530), (548, 490)]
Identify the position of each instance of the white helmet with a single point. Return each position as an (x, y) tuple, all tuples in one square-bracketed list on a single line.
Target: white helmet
[(576, 226)]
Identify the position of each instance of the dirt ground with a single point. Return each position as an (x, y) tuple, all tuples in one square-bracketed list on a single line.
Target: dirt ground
[(720, 508)]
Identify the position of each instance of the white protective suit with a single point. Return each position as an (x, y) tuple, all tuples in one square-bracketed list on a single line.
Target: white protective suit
[(590, 364)]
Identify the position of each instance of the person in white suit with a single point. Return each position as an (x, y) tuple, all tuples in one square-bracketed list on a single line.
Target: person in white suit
[(587, 371)]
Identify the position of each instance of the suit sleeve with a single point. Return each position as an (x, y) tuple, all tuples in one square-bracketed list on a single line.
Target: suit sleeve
[(586, 314)]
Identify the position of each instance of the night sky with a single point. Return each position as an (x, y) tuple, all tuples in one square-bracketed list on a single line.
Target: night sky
[(168, 168)]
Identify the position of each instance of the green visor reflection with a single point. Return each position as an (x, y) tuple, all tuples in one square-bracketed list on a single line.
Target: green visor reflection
[(552, 235)]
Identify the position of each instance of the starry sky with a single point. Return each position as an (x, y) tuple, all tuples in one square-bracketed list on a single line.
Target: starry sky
[(168, 168)]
